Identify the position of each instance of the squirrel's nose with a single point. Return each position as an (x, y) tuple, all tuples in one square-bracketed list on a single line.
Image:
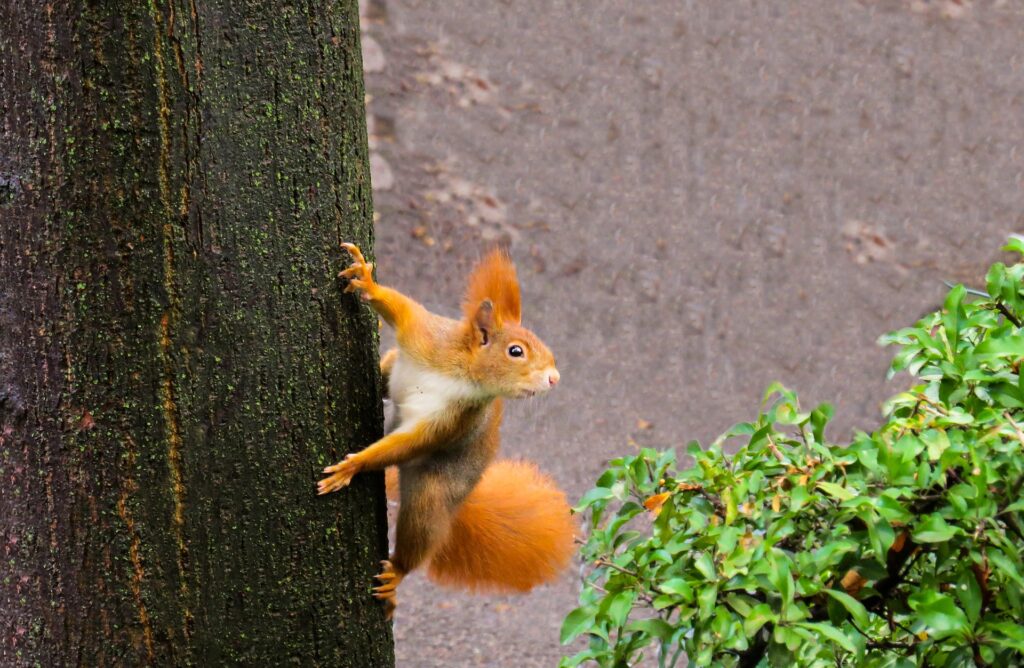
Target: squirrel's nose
[(553, 377)]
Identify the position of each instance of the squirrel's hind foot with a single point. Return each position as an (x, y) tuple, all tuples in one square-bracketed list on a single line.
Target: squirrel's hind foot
[(389, 579)]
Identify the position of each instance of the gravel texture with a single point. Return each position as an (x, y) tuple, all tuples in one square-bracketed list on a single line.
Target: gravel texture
[(702, 197)]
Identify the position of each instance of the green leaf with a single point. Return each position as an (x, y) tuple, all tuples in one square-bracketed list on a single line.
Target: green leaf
[(1015, 244), (1017, 505), (677, 586), (1009, 634), (706, 599), (937, 442), (617, 606), (880, 534), (797, 497), (995, 278), (780, 577), (831, 552), (939, 613), (953, 316), (819, 419), (655, 627), (578, 621), (760, 615), (852, 605), (830, 632), (956, 416), (933, 529), (969, 594), (837, 491), (1004, 346), (706, 566), (594, 495), (731, 511), (785, 635), (738, 603), (1005, 566)]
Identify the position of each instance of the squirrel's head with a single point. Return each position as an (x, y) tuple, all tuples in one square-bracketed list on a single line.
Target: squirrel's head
[(505, 357)]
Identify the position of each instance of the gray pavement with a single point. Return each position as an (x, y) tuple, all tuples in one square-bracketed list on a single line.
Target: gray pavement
[(702, 197)]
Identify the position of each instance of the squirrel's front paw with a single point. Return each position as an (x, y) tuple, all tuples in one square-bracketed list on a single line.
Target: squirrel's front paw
[(343, 472), (359, 273)]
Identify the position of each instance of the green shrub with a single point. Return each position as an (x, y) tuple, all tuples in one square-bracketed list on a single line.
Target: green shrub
[(900, 548)]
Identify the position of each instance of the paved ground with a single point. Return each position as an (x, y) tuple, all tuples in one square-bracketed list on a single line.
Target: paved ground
[(702, 197)]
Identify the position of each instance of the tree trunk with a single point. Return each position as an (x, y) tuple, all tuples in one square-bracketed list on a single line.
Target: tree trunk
[(177, 360)]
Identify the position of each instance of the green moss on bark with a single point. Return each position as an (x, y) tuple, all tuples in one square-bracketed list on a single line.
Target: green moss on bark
[(177, 361)]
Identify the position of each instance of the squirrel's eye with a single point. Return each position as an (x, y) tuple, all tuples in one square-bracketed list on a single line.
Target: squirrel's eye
[(515, 351)]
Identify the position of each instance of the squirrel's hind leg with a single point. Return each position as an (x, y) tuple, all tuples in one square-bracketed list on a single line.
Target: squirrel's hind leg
[(389, 579), (424, 520)]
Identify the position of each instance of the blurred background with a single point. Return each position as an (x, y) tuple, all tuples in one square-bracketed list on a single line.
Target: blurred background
[(702, 197)]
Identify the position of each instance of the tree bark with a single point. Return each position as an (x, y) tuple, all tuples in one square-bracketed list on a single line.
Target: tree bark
[(177, 360)]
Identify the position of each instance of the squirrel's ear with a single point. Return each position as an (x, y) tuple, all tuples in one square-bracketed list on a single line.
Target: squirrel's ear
[(484, 321)]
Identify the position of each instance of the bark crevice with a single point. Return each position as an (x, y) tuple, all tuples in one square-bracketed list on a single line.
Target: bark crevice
[(177, 359)]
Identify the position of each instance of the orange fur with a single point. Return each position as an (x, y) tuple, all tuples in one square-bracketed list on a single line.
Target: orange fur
[(391, 483), (512, 533), (512, 529), (494, 278)]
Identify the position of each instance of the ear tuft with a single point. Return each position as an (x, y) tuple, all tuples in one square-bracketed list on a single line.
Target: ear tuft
[(494, 280)]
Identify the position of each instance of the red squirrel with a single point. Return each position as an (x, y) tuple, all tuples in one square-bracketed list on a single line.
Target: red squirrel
[(481, 524)]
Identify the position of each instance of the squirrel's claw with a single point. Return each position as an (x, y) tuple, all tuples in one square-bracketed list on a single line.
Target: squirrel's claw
[(359, 273), (332, 484), (354, 251), (390, 604), (343, 472), (356, 270), (356, 284), (389, 579)]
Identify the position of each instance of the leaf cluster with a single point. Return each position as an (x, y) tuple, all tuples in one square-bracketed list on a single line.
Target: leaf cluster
[(901, 547)]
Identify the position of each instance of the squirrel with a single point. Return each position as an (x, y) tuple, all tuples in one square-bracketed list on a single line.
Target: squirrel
[(481, 524)]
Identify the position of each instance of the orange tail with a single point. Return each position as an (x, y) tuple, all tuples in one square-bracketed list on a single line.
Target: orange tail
[(512, 533)]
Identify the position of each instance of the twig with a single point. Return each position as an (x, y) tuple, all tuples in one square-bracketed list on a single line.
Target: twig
[(937, 407), (1000, 306), (650, 469), (903, 429), (1008, 314), (605, 562), (633, 574), (904, 628), (883, 644), (1016, 427), (714, 501), (970, 291), (775, 450)]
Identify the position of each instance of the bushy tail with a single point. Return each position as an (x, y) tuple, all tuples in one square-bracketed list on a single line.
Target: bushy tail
[(512, 533)]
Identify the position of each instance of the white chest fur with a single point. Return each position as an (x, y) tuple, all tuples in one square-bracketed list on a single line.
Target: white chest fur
[(420, 393)]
